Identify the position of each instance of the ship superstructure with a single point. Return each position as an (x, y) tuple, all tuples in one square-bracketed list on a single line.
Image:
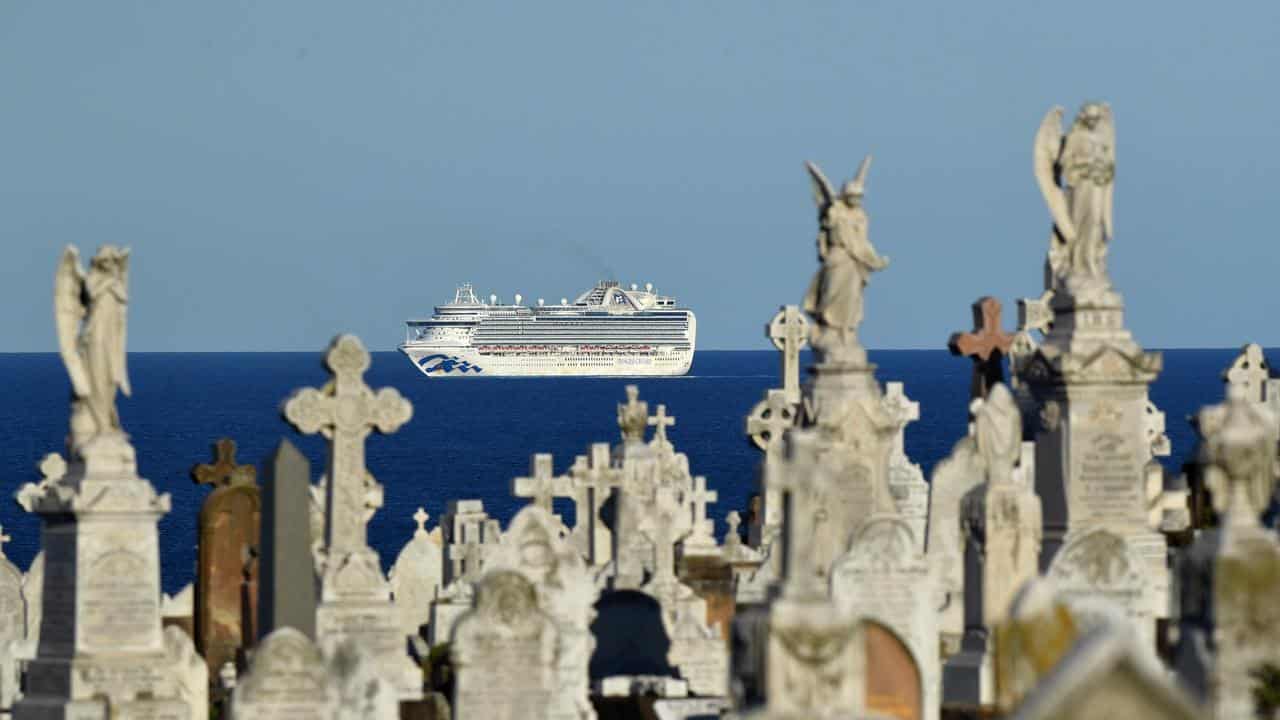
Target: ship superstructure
[(607, 331)]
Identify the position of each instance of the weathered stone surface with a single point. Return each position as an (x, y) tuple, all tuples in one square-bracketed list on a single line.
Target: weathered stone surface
[(355, 598), (1099, 575), (953, 478), (1038, 632), (907, 486), (192, 672), (416, 576), (1108, 674), (885, 579), (228, 532), (565, 591), (504, 652), (287, 678), (287, 591)]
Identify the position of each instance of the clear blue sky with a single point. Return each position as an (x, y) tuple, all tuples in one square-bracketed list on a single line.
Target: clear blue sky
[(288, 170)]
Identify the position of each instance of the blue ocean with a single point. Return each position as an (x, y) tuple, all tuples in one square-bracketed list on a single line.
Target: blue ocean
[(468, 437)]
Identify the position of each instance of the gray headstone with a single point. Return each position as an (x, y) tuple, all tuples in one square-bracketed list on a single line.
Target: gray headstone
[(287, 587)]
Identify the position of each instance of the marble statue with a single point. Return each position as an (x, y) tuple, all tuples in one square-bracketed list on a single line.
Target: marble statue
[(1075, 173), (834, 298), (89, 311)]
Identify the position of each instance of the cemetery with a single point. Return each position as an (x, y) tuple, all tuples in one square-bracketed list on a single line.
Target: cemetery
[(1049, 568)]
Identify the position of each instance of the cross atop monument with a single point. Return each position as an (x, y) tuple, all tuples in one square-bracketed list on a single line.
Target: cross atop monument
[(345, 411), (1249, 372), (660, 423), (902, 409), (700, 498), (789, 331), (987, 345), (633, 417), (542, 485), (769, 419), (420, 517), (224, 472)]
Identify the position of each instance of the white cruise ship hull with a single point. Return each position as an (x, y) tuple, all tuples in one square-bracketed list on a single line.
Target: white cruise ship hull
[(607, 332), (557, 362)]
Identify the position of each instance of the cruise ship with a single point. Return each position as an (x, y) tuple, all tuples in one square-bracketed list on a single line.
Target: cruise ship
[(607, 331)]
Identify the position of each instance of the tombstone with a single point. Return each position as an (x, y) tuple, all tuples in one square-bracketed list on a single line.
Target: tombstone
[(906, 481), (1108, 674), (542, 486), (565, 591), (178, 610), (766, 424), (884, 578), (1230, 577), (1250, 374), (287, 589), (953, 479), (192, 671), (228, 529), (701, 540), (1100, 576), (102, 650), (13, 626), (470, 535), (1030, 641), (416, 576), (32, 599), (355, 599), (364, 693), (789, 332), (287, 678), (593, 481), (503, 653), (987, 346)]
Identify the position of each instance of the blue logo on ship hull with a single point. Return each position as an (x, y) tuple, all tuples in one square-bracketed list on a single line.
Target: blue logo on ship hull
[(446, 364)]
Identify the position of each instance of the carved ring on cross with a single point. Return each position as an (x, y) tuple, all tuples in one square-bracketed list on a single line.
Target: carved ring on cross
[(793, 326)]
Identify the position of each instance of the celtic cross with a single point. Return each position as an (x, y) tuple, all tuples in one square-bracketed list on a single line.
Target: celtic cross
[(789, 331), (345, 411)]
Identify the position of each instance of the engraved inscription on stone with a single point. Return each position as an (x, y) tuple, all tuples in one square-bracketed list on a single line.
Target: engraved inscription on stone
[(119, 607), (1108, 467)]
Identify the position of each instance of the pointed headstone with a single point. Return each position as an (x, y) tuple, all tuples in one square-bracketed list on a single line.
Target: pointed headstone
[(287, 583)]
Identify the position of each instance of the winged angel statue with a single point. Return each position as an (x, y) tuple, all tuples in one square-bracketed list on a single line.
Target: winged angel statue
[(89, 312), (834, 298), (1075, 174)]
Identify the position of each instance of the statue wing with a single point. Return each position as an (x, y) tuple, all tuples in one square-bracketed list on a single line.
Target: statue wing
[(823, 195), (1048, 146), (1108, 130), (68, 311), (861, 178), (123, 365)]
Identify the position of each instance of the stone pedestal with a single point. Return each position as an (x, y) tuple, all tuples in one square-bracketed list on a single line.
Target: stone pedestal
[(102, 653)]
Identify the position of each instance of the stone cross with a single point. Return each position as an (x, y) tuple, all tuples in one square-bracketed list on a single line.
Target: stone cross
[(542, 485), (789, 331), (345, 411), (420, 517), (701, 497), (986, 346), (1250, 372), (902, 410), (224, 472), (660, 528), (660, 423), (1036, 313), (769, 419)]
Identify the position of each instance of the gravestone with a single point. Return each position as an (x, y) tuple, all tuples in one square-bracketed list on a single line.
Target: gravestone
[(469, 535), (953, 479), (32, 599), (13, 626), (191, 670), (1100, 576), (766, 424), (228, 529), (355, 598), (1030, 642), (593, 481), (906, 481), (701, 540), (1109, 673), (1001, 519), (503, 653), (416, 576), (987, 346), (884, 578), (789, 332), (287, 589), (102, 651), (1230, 624), (287, 678), (565, 591), (542, 486)]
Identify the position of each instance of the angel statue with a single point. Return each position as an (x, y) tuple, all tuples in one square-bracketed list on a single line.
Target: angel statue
[(1075, 174), (89, 311), (834, 298)]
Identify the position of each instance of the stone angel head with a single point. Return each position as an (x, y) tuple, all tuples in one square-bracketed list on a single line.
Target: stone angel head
[(850, 193)]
